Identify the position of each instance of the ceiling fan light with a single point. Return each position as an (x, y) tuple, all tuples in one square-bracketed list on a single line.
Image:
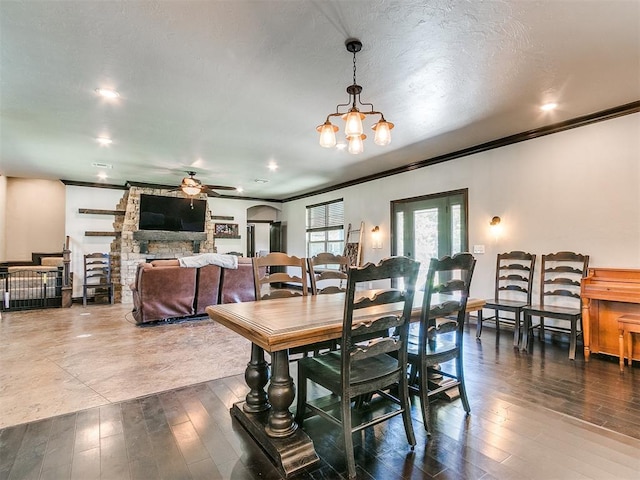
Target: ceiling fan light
[(327, 134), (353, 123), (190, 190), (356, 144), (383, 133)]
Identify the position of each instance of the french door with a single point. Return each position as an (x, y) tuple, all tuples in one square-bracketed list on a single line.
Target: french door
[(430, 226)]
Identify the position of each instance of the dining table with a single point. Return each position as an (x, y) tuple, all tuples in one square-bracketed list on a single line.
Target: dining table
[(275, 326)]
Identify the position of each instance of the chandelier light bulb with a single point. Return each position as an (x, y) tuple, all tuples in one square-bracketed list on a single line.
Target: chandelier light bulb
[(353, 123), (356, 144), (383, 133), (327, 134)]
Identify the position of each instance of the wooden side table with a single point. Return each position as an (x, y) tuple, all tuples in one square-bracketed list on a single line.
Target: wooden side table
[(627, 324)]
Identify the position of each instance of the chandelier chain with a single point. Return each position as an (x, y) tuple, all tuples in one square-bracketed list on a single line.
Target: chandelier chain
[(354, 68)]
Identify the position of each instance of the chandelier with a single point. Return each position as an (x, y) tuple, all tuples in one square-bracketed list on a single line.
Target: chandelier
[(353, 117)]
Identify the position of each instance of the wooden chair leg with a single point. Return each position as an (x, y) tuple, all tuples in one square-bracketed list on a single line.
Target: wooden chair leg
[(461, 388), (302, 399), (524, 344), (516, 328), (573, 339), (630, 349), (621, 348), (479, 324), (348, 436), (406, 414), (424, 396)]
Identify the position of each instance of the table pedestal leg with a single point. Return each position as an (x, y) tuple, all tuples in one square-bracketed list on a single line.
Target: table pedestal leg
[(256, 375), (270, 422), (281, 394)]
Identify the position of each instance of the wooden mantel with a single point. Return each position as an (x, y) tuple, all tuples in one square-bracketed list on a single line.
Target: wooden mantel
[(146, 236)]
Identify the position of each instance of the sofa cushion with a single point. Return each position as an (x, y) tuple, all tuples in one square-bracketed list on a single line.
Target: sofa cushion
[(237, 285), (163, 292), (208, 287), (173, 262)]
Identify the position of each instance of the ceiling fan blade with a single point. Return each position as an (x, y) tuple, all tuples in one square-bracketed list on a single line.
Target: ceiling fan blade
[(220, 187)]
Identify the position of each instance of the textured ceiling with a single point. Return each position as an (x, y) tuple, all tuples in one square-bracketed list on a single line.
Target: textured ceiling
[(226, 87)]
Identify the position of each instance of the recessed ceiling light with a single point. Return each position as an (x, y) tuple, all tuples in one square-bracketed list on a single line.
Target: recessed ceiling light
[(102, 176), (239, 189), (102, 165), (273, 166), (261, 180), (104, 141), (547, 107), (107, 93)]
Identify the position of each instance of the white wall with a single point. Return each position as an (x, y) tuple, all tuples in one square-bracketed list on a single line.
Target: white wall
[(262, 231), (78, 223), (577, 190), (238, 210)]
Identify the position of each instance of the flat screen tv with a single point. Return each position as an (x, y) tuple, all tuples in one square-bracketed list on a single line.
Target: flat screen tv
[(172, 214)]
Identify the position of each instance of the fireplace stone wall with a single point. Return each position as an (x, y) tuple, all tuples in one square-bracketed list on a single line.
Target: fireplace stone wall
[(127, 251)]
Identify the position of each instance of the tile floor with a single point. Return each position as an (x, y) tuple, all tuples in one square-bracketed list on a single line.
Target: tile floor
[(82, 357)]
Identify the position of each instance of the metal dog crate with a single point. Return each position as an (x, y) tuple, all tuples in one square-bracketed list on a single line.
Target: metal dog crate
[(25, 288)]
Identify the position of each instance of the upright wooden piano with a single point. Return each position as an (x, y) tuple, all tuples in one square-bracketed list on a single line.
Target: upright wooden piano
[(606, 294)]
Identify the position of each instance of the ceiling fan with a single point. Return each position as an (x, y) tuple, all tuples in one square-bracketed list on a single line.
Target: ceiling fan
[(191, 186)]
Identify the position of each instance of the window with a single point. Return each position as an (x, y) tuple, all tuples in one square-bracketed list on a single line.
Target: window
[(325, 228)]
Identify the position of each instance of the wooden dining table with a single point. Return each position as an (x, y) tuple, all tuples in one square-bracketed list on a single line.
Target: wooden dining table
[(275, 326)]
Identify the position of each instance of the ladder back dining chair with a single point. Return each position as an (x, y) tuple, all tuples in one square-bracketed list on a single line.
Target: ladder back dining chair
[(278, 275), (437, 339), (560, 277), (97, 277), (512, 291), (328, 273), (363, 367)]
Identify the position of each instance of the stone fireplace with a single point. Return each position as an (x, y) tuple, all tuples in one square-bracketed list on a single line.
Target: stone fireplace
[(134, 246)]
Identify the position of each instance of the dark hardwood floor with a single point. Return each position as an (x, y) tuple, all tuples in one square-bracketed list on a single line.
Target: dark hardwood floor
[(534, 416)]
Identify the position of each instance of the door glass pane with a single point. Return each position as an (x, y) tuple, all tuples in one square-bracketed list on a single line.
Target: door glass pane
[(399, 234), (456, 229), (425, 227)]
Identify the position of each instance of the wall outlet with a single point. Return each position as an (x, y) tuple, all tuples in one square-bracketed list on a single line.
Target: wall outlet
[(478, 249)]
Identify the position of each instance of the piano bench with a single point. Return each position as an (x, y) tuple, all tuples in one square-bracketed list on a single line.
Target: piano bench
[(627, 324)]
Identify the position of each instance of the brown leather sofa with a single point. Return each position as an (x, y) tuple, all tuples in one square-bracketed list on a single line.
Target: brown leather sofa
[(164, 290)]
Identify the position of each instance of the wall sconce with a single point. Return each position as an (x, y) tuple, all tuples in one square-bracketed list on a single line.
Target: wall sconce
[(495, 227), (376, 237)]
